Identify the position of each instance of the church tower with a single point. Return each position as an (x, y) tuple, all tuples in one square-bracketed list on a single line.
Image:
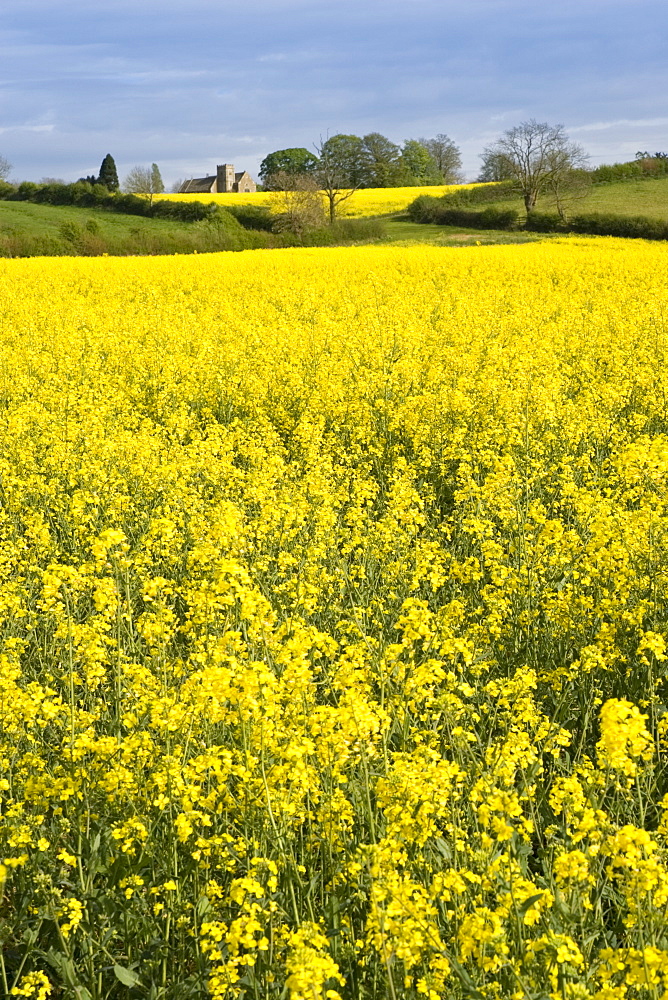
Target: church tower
[(225, 177)]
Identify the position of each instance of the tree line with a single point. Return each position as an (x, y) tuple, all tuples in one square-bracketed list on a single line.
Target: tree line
[(369, 161), (535, 157)]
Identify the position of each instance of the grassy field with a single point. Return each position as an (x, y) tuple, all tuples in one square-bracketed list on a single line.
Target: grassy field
[(57, 229), (647, 197), (47, 220)]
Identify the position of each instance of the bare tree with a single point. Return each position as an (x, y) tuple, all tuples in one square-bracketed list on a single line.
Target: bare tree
[(446, 156), (333, 174), (144, 180), (535, 155), (568, 183), (5, 168)]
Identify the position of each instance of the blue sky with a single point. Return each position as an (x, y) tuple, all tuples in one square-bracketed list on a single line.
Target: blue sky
[(193, 83)]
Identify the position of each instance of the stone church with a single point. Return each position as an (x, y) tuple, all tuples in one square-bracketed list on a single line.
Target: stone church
[(224, 179)]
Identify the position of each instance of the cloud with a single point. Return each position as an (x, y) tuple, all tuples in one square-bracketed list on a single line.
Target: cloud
[(621, 123), (27, 128), (156, 81)]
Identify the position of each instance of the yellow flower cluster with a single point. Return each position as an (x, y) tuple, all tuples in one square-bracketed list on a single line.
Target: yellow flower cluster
[(362, 203), (333, 622)]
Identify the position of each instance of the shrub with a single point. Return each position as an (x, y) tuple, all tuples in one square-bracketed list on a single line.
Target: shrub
[(424, 207), (187, 211), (438, 211), (545, 222), (482, 194), (252, 216), (646, 167), (600, 224)]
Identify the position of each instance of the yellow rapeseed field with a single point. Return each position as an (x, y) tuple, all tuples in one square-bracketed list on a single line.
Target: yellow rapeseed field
[(334, 591), (363, 203)]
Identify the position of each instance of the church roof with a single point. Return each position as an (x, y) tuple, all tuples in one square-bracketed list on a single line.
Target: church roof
[(198, 185)]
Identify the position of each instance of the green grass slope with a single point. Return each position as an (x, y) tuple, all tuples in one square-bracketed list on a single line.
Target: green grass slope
[(29, 229), (643, 197)]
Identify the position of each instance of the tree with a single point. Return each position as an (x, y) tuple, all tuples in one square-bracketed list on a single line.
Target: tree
[(340, 169), (495, 167), (347, 156), (282, 162), (156, 180), (535, 155), (108, 173), (5, 168), (419, 166), (568, 186), (301, 202), (144, 180), (382, 161), (446, 156)]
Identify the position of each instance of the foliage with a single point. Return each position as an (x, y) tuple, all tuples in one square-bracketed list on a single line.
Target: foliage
[(446, 156), (335, 619), (382, 167), (300, 207), (480, 193), (5, 168), (495, 167), (340, 170), (99, 196), (441, 212), (252, 216), (157, 184), (344, 158), (108, 174), (646, 167), (296, 160), (418, 165), (600, 224)]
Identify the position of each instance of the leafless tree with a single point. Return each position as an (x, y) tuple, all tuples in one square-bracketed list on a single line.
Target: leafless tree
[(568, 186), (536, 155), (144, 180), (446, 156), (5, 168)]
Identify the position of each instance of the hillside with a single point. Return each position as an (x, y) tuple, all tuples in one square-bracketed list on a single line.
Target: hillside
[(642, 197), (27, 228)]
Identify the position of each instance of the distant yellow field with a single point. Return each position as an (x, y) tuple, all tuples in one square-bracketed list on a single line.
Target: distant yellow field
[(364, 203)]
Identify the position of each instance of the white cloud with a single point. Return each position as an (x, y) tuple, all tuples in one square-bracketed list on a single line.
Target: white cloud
[(621, 123), (27, 128)]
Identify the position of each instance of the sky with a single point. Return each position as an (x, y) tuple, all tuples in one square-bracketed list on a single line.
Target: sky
[(194, 83)]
